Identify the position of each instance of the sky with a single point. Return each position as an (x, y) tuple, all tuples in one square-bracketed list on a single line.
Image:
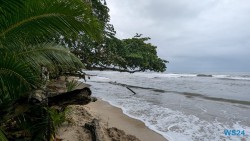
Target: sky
[(193, 35)]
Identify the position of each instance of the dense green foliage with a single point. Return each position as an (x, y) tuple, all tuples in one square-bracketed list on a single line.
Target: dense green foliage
[(35, 33), (27, 28), (24, 25), (127, 55), (140, 55)]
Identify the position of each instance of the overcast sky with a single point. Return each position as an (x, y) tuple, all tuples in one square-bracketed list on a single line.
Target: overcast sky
[(194, 35)]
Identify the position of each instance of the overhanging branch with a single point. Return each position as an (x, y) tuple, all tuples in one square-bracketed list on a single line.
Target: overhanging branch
[(103, 68)]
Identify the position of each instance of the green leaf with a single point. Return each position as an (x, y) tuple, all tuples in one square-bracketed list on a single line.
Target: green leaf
[(2, 135), (34, 20), (16, 78)]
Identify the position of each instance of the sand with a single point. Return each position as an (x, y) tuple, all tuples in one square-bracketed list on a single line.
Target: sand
[(114, 117), (114, 125)]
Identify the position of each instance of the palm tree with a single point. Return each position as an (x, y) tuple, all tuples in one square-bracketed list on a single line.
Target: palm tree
[(27, 31)]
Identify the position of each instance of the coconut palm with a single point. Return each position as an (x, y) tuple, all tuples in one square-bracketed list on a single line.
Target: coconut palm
[(27, 31)]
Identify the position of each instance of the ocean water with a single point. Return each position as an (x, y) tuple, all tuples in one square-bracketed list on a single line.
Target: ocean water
[(181, 107)]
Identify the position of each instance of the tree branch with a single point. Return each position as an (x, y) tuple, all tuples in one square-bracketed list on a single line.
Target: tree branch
[(103, 68)]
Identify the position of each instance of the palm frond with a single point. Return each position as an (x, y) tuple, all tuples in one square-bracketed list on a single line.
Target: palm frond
[(50, 55), (16, 77), (44, 18), (5, 6), (2, 135), (20, 68), (25, 27)]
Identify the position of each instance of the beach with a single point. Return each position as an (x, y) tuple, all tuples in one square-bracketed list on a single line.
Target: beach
[(114, 117), (126, 128), (180, 106), (172, 107)]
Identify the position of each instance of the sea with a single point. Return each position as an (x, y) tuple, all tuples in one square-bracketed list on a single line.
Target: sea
[(181, 106)]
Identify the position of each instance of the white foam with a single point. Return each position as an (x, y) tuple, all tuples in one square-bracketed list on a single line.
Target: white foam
[(126, 112), (231, 77), (173, 75), (168, 75), (99, 79), (162, 75), (174, 125), (240, 78)]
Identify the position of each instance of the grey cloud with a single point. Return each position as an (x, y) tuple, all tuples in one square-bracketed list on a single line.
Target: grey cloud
[(190, 33)]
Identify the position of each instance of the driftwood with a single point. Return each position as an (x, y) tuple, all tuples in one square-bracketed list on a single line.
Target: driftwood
[(131, 90), (123, 85), (81, 95), (95, 130), (114, 134)]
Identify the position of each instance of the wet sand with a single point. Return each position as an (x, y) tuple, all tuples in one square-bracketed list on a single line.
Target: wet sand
[(113, 117)]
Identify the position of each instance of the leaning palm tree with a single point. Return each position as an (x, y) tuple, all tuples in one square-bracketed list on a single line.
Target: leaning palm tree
[(27, 31)]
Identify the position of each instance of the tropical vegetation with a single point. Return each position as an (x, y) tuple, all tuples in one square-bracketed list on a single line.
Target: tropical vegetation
[(126, 55), (27, 31), (63, 35)]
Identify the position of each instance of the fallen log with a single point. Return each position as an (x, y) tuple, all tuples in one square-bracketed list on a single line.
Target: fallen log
[(95, 130), (81, 95)]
